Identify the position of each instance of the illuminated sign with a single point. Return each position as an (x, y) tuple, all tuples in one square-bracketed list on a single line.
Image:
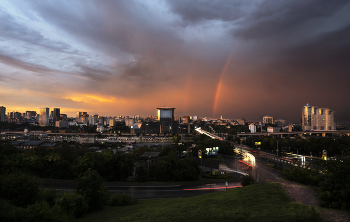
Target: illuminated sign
[(257, 143)]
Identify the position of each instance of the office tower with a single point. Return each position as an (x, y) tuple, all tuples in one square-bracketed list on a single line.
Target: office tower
[(314, 118), (93, 119), (56, 114), (44, 116), (102, 120), (14, 117), (166, 120), (30, 114), (268, 119), (79, 115), (2, 114)]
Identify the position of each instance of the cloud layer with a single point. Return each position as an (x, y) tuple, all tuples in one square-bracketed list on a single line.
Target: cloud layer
[(246, 58)]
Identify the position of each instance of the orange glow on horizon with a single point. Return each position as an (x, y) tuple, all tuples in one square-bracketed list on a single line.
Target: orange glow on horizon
[(92, 99)]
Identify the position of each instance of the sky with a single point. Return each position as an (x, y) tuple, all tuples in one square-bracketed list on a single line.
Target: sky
[(235, 59)]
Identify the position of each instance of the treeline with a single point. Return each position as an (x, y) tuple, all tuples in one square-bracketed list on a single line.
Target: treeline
[(66, 162), (168, 167), (71, 162), (314, 145), (22, 200)]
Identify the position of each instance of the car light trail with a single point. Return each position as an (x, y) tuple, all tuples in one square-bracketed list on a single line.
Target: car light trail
[(213, 188)]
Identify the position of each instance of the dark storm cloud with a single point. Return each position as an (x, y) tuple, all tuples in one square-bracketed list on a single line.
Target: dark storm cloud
[(278, 19), (112, 27), (23, 65), (120, 29), (199, 10), (94, 74), (12, 30)]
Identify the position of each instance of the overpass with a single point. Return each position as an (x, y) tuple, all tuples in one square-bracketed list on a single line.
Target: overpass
[(322, 133)]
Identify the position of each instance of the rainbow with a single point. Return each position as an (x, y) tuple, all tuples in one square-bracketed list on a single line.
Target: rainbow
[(217, 93), (189, 83)]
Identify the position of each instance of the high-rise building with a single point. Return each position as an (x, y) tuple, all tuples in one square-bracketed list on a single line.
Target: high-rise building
[(314, 118), (44, 116), (30, 114), (79, 115), (93, 119), (102, 120), (56, 114), (252, 128), (268, 120), (166, 120), (14, 117), (2, 114)]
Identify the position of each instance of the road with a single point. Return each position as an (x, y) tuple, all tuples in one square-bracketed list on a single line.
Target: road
[(258, 169), (149, 190)]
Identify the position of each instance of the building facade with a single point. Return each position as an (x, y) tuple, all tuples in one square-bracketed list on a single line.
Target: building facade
[(44, 116), (166, 120), (268, 120), (314, 118), (2, 114), (56, 114), (252, 128)]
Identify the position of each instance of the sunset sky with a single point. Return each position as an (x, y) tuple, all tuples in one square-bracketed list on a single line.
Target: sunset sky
[(238, 59)]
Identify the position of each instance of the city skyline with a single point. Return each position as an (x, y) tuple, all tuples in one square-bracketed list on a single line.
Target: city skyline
[(237, 59)]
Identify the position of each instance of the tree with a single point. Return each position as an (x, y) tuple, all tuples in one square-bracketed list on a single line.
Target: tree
[(141, 173), (335, 185), (21, 189), (90, 185)]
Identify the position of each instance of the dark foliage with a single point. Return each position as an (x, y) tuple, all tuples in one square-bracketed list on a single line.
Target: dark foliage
[(90, 185)]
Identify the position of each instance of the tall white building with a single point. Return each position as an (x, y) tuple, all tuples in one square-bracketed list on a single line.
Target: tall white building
[(252, 128), (2, 114), (44, 116), (314, 118)]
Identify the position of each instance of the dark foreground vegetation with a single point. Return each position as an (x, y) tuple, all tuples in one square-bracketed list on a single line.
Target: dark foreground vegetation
[(259, 202), (22, 200), (334, 182)]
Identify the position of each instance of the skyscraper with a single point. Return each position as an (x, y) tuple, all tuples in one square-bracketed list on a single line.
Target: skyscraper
[(56, 114), (314, 118), (166, 120), (44, 116), (2, 114), (79, 115)]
